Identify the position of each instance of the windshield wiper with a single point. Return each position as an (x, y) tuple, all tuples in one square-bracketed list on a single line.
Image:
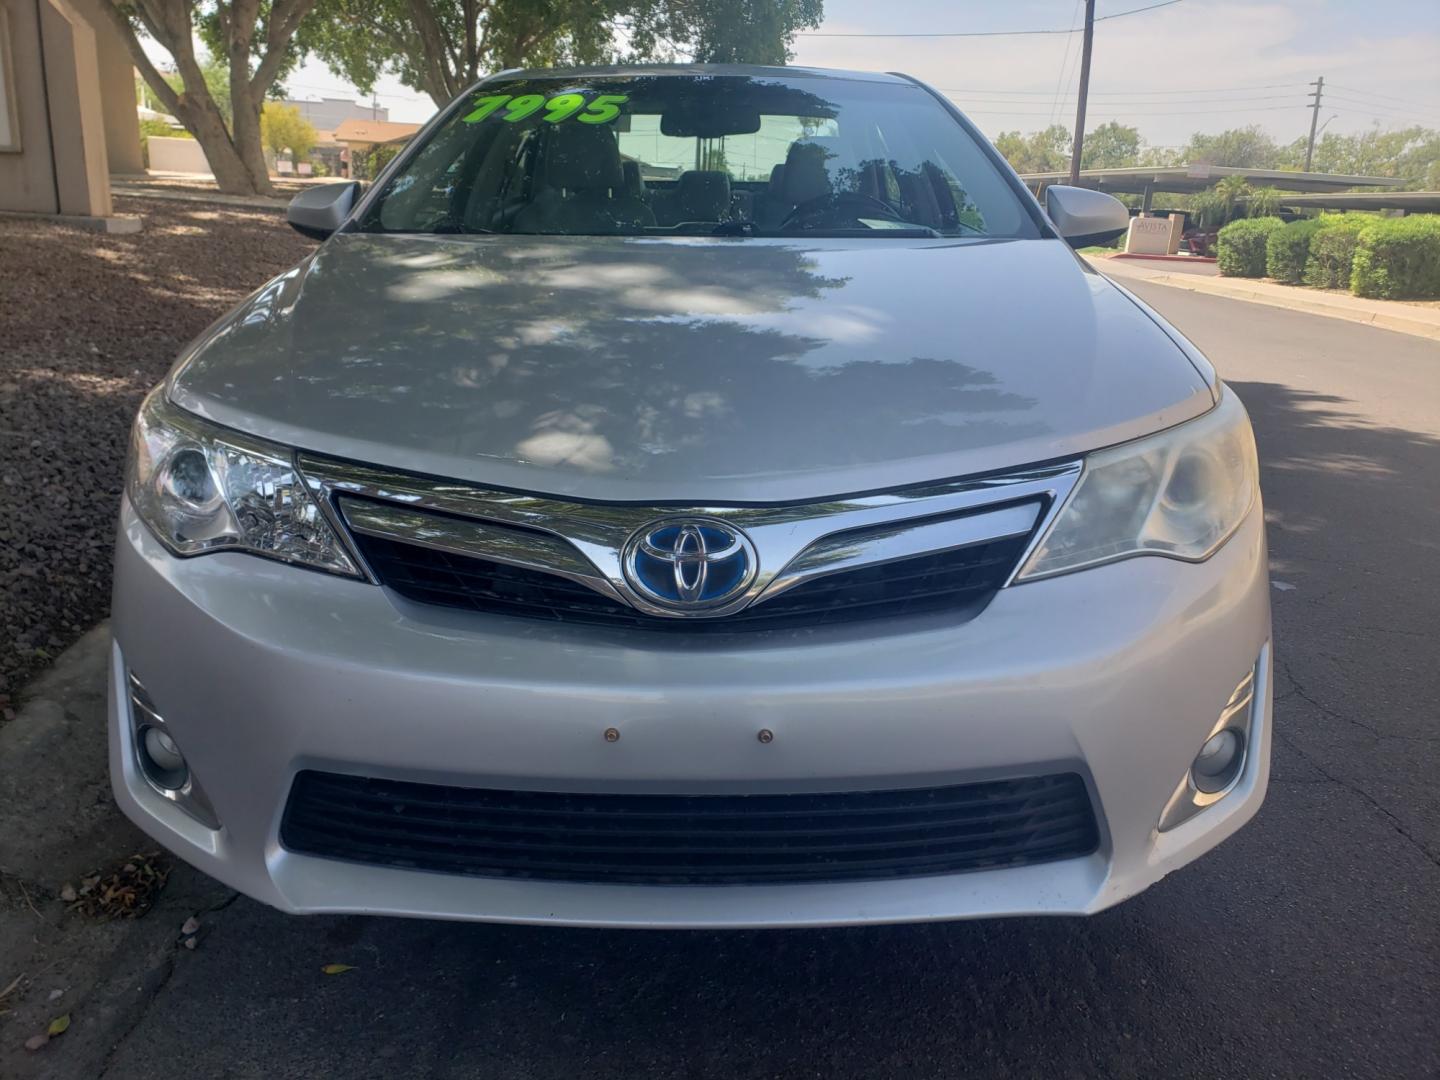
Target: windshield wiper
[(458, 228), (910, 231)]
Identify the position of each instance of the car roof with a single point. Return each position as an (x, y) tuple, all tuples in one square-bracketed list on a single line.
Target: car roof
[(704, 69)]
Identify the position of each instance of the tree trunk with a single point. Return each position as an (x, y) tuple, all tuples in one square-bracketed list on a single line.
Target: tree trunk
[(247, 143), (236, 156), (208, 127)]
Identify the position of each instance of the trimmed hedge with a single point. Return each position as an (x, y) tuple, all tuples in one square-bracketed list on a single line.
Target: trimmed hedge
[(1332, 250), (1398, 259), (1240, 246), (1287, 249)]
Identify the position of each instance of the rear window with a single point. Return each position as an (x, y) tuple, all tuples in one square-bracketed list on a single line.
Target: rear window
[(698, 155)]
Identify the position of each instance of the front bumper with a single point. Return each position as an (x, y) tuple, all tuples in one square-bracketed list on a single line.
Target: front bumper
[(262, 669)]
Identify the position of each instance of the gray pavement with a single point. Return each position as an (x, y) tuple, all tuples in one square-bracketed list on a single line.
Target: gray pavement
[(1309, 945)]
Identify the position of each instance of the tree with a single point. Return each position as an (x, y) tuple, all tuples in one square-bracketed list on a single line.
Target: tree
[(722, 31), (1263, 201), (253, 39), (1038, 152), (1161, 157), (216, 74), (1242, 148), (283, 128), (1111, 146), (440, 47), (1411, 154)]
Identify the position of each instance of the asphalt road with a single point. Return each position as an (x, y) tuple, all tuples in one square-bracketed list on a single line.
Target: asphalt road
[(1309, 945)]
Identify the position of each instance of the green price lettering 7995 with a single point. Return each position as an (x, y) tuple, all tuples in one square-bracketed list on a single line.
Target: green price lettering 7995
[(600, 110)]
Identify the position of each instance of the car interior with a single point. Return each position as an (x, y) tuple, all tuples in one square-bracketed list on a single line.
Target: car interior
[(575, 179), (676, 173)]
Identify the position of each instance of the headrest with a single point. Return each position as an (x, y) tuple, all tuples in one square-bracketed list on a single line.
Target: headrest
[(634, 182), (704, 194), (805, 175), (777, 177), (581, 157)]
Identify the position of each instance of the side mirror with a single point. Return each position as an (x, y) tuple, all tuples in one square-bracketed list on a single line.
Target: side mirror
[(318, 211), (1085, 217)]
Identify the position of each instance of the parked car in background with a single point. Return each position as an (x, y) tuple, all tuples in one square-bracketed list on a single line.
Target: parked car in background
[(692, 496)]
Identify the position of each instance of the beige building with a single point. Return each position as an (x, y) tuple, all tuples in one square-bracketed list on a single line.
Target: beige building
[(67, 111), (356, 137)]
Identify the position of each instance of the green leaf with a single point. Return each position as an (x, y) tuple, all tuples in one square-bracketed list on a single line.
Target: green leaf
[(59, 1025), (337, 969)]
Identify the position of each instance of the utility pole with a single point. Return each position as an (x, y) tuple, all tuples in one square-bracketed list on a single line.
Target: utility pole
[(1319, 85), (1079, 142)]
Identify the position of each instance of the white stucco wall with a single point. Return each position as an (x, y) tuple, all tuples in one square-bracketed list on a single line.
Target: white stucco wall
[(176, 155)]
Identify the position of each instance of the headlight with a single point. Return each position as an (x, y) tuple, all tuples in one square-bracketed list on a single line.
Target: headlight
[(1180, 493), (201, 488)]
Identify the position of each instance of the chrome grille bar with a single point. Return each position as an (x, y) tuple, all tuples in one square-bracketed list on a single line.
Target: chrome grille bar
[(583, 541)]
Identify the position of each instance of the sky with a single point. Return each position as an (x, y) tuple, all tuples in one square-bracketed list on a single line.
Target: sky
[(1193, 65)]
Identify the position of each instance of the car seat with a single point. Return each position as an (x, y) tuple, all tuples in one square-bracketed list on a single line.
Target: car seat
[(579, 186)]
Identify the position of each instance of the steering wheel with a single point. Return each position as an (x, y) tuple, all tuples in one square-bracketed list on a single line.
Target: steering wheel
[(838, 204)]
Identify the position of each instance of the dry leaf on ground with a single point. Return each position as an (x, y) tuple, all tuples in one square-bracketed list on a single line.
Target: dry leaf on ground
[(126, 893)]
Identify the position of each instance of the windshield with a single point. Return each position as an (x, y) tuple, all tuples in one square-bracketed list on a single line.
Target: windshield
[(699, 155)]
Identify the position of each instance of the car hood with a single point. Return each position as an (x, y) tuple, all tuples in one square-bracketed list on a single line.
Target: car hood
[(691, 370)]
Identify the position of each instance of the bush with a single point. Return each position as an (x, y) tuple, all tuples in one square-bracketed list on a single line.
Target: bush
[(1240, 246), (367, 164), (1398, 259), (1287, 248), (1332, 250)]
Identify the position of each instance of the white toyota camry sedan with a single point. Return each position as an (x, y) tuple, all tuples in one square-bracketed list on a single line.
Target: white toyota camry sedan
[(692, 496)]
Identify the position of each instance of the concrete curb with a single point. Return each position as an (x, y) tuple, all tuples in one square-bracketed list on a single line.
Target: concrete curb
[(1416, 326), (57, 818), (250, 202), (59, 821)]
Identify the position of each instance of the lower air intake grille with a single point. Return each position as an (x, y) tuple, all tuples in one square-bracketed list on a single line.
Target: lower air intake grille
[(690, 839), (961, 581)]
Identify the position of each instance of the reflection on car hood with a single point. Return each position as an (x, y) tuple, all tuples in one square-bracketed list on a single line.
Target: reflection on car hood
[(697, 370)]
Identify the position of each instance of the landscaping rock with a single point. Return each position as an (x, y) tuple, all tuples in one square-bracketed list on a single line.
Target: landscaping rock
[(92, 321)]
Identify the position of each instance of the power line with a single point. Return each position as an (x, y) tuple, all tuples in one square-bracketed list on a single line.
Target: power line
[(1126, 104), (1064, 63), (990, 33), (1127, 93), (1371, 93), (350, 90), (1114, 111), (1135, 11), (1388, 111)]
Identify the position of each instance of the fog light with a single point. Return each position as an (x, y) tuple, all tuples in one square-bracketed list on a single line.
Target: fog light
[(162, 759), (1215, 766), (162, 750)]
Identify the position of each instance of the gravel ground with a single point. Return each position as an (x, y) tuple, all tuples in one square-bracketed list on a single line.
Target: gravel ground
[(90, 323)]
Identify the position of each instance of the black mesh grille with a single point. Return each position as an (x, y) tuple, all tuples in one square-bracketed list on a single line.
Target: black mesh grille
[(690, 839), (961, 581)]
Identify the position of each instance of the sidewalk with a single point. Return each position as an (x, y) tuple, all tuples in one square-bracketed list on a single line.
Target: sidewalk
[(58, 824), (1414, 319)]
